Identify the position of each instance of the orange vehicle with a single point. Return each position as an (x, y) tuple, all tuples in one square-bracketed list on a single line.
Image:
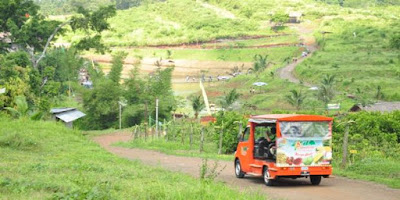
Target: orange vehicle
[(285, 146)]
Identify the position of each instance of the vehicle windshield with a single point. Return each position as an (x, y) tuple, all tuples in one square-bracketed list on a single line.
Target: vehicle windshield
[(305, 129)]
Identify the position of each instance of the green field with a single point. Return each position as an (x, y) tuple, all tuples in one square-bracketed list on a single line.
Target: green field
[(44, 160)]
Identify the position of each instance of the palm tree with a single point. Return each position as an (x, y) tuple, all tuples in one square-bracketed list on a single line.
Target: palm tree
[(326, 91), (21, 108), (197, 105), (260, 62), (296, 99), (230, 98)]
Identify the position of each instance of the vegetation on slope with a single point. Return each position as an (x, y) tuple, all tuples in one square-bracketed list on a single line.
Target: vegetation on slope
[(45, 160)]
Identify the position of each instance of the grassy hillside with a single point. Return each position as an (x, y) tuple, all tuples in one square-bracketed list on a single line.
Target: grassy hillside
[(358, 53), (44, 160)]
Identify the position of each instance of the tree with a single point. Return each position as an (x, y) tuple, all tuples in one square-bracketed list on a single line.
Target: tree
[(260, 63), (101, 105), (279, 19), (29, 31), (296, 99), (230, 98), (197, 105), (326, 91), (117, 66)]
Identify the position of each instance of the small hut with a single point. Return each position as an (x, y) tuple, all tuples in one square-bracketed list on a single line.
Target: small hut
[(377, 107), (67, 115), (295, 17)]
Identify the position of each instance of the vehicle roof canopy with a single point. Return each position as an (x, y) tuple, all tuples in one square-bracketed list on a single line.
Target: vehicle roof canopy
[(272, 118)]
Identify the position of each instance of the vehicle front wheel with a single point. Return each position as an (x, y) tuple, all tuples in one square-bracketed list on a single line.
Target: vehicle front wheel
[(238, 169), (315, 180), (266, 176)]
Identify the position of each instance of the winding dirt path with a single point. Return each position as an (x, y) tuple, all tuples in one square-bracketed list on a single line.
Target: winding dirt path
[(287, 71), (330, 189)]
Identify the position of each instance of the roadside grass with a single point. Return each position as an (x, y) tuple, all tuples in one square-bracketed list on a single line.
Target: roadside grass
[(177, 148), (381, 170), (45, 160)]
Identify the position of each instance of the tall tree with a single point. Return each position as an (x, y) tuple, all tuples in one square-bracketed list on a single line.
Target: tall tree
[(197, 105), (117, 66), (326, 90), (230, 98), (260, 62), (296, 98), (23, 28)]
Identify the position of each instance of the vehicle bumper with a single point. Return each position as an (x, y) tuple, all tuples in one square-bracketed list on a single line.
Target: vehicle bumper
[(298, 171)]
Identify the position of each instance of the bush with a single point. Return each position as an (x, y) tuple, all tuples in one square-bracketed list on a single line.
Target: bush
[(226, 121), (372, 135)]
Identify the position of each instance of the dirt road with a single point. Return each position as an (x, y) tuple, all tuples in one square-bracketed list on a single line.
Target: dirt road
[(333, 188)]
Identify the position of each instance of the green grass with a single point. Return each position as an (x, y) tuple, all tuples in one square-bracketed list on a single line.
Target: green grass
[(177, 148), (380, 170), (44, 160), (226, 54), (363, 62)]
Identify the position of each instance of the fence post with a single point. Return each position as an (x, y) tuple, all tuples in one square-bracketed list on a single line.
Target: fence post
[(345, 143), (191, 135), (183, 134), (202, 139), (145, 131), (220, 138)]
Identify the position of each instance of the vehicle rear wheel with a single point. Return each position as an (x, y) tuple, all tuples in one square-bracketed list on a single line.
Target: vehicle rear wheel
[(238, 169), (266, 176), (315, 180)]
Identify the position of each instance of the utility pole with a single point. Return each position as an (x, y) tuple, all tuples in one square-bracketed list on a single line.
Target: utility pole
[(120, 120), (121, 103), (157, 118)]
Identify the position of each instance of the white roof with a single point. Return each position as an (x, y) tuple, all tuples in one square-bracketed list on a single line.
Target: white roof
[(70, 116), (60, 110)]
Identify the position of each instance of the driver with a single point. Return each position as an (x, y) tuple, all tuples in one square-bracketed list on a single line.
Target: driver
[(269, 135)]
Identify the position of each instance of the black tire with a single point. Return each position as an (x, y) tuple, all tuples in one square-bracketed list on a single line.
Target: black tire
[(315, 180), (267, 181), (238, 169)]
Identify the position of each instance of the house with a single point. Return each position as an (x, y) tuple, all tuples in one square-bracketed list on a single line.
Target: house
[(295, 17), (380, 107), (67, 115), (5, 37)]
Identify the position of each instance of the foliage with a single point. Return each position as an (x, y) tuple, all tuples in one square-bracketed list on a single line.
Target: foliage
[(229, 99), (101, 105), (395, 41), (197, 105), (116, 68), (226, 122), (279, 19), (326, 90), (92, 24), (296, 98), (260, 63), (45, 160), (375, 137), (207, 173)]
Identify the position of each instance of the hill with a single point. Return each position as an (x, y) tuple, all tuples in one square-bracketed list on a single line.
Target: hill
[(45, 160)]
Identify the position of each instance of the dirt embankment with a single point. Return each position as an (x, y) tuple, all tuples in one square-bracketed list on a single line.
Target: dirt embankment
[(301, 189)]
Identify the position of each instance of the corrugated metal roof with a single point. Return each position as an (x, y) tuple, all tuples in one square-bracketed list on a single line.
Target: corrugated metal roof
[(382, 107), (70, 116), (60, 110)]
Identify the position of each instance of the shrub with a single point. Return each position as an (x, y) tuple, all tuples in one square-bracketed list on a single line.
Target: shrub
[(226, 121)]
